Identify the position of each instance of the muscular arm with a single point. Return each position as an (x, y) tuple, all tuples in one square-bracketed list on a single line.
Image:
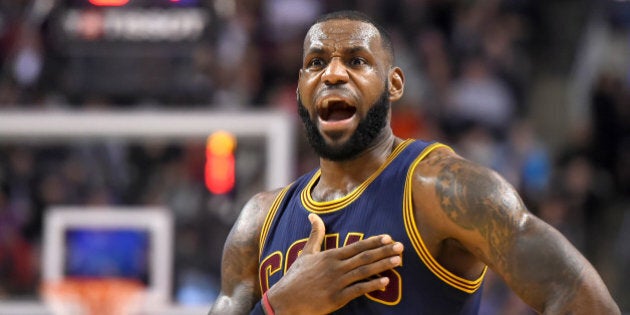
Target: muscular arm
[(484, 214), (239, 267)]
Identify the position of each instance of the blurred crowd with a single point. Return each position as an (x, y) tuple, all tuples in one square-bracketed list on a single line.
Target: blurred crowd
[(470, 67)]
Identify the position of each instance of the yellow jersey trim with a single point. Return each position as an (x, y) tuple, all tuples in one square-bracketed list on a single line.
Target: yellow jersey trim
[(269, 218), (468, 286), (333, 205)]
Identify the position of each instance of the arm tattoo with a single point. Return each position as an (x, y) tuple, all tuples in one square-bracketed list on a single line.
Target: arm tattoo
[(474, 199), (239, 268), (530, 255), (242, 252)]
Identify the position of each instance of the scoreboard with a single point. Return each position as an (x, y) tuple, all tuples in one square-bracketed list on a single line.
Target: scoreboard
[(133, 49)]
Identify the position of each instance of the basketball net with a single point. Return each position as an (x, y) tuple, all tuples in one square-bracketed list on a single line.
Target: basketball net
[(86, 296)]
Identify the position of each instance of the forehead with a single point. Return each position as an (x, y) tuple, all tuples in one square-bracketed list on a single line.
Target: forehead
[(335, 34)]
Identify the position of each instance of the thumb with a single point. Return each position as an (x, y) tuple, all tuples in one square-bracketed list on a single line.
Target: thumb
[(318, 230)]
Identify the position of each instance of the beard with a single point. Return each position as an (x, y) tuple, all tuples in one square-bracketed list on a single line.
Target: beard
[(365, 134)]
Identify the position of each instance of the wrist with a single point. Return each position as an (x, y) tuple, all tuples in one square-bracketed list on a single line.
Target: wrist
[(266, 305)]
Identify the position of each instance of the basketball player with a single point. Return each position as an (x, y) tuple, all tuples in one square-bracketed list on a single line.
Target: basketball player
[(333, 240)]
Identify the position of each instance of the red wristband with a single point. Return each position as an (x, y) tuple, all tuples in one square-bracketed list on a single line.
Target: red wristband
[(266, 305)]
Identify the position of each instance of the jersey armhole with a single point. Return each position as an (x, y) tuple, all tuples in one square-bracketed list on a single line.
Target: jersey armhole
[(271, 214), (460, 283)]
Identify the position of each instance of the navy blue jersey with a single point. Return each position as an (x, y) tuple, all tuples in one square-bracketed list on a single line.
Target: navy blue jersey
[(380, 205)]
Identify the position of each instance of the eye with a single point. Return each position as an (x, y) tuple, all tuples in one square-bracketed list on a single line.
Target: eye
[(357, 61), (315, 63)]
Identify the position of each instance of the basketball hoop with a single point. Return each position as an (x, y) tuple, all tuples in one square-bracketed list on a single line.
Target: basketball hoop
[(87, 296)]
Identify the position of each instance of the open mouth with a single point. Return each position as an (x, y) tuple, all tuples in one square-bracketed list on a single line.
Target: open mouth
[(336, 110)]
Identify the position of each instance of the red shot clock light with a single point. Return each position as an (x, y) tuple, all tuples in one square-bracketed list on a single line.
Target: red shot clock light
[(109, 3), (220, 170), (120, 3)]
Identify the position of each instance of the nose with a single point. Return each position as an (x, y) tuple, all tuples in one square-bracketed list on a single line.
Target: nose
[(335, 72)]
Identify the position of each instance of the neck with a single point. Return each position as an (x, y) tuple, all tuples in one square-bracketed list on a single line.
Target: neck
[(340, 178)]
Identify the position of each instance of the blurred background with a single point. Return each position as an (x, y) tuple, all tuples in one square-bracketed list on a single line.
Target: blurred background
[(537, 90)]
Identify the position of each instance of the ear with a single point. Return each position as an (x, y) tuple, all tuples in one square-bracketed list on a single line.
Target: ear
[(396, 84)]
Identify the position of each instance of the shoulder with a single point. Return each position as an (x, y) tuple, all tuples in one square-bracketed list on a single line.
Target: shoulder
[(249, 223), (260, 202), (446, 167), (257, 207), (468, 194), (443, 171)]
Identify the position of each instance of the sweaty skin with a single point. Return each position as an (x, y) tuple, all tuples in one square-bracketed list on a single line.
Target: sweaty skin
[(341, 64), (469, 216)]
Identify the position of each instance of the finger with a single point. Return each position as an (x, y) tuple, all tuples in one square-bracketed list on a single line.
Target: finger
[(360, 288), (364, 245), (366, 271), (316, 238), (374, 255)]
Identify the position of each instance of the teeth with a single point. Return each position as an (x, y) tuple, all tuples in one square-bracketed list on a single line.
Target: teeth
[(325, 104), (335, 109)]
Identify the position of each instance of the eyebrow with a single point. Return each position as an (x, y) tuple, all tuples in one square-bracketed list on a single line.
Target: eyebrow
[(356, 49), (314, 50), (350, 50)]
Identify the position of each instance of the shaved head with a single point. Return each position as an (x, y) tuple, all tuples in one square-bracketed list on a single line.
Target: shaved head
[(351, 15)]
